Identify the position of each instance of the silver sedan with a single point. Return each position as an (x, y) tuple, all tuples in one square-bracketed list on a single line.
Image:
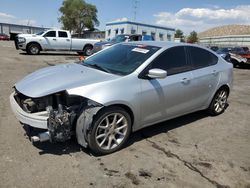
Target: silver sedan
[(119, 90)]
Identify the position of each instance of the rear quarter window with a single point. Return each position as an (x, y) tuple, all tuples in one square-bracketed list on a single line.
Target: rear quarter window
[(201, 58)]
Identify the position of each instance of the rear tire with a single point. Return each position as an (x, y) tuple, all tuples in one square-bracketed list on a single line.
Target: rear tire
[(33, 49), (110, 130), (219, 102)]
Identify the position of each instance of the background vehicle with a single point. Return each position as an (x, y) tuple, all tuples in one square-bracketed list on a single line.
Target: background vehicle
[(4, 36), (121, 38), (119, 90), (53, 40), (240, 56), (214, 48), (224, 53)]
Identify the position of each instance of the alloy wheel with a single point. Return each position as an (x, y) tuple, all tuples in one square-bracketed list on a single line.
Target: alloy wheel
[(220, 101), (34, 49), (111, 131)]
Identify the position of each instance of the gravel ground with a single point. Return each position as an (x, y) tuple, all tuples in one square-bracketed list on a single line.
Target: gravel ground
[(191, 151)]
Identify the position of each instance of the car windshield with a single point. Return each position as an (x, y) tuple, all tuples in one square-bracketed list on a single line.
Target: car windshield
[(245, 48), (121, 59), (40, 33), (119, 38)]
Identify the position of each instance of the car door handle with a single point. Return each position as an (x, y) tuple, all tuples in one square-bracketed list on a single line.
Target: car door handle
[(67, 40), (185, 80), (54, 39)]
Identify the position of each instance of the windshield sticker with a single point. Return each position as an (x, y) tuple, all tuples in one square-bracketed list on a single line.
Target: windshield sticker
[(141, 50)]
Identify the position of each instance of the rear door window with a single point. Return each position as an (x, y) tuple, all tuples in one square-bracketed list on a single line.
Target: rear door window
[(201, 58), (62, 34)]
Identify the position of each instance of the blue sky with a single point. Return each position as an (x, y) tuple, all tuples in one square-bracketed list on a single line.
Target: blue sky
[(187, 15)]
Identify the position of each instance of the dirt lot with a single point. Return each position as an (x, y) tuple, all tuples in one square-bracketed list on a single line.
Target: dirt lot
[(191, 151)]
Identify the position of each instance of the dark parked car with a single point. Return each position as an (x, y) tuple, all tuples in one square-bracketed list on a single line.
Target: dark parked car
[(214, 48), (245, 49), (240, 50), (224, 53), (121, 38), (4, 36)]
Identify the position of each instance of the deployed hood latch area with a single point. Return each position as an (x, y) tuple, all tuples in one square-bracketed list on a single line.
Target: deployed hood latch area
[(60, 124)]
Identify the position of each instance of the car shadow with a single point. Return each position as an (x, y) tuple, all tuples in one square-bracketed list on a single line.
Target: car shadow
[(58, 148), (51, 54), (165, 126), (71, 145), (244, 66)]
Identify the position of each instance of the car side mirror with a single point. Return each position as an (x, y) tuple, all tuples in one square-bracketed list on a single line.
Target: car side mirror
[(157, 73)]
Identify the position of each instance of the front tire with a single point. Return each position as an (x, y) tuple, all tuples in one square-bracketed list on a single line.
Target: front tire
[(80, 53), (33, 49), (219, 102), (110, 131)]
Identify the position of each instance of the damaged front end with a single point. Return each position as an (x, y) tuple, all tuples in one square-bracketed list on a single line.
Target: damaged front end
[(66, 115)]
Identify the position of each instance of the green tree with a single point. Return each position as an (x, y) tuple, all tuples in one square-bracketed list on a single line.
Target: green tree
[(78, 15), (192, 38), (179, 34)]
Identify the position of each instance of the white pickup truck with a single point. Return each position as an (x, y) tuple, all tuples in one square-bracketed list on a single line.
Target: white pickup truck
[(53, 40)]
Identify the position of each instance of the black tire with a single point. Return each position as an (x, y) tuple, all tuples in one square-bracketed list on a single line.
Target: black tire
[(88, 50), (80, 53), (33, 49), (235, 63), (219, 104), (97, 123)]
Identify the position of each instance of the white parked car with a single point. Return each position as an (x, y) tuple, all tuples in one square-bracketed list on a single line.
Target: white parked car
[(53, 40)]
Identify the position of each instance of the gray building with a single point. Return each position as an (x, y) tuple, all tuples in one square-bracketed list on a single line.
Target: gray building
[(230, 40), (226, 35), (13, 29), (127, 27)]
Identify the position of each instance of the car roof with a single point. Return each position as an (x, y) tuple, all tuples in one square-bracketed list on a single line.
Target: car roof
[(164, 44)]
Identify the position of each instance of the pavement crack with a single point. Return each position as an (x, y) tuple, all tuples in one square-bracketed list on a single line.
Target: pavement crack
[(186, 163)]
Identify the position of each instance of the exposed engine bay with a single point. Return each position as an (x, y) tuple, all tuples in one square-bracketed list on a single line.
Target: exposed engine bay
[(63, 111)]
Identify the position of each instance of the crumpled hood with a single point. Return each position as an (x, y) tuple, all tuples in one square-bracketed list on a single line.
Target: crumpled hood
[(54, 79)]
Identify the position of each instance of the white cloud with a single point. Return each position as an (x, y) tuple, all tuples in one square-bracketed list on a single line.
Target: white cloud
[(120, 20), (200, 19), (8, 18)]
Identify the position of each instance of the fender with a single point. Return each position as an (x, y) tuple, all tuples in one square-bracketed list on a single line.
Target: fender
[(83, 124)]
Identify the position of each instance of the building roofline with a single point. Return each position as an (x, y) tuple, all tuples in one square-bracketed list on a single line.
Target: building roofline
[(141, 24), (225, 36), (19, 25)]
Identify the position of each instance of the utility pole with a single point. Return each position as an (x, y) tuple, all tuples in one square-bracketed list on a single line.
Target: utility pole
[(135, 7)]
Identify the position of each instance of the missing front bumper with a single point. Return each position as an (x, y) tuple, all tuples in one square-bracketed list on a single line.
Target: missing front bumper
[(37, 120)]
